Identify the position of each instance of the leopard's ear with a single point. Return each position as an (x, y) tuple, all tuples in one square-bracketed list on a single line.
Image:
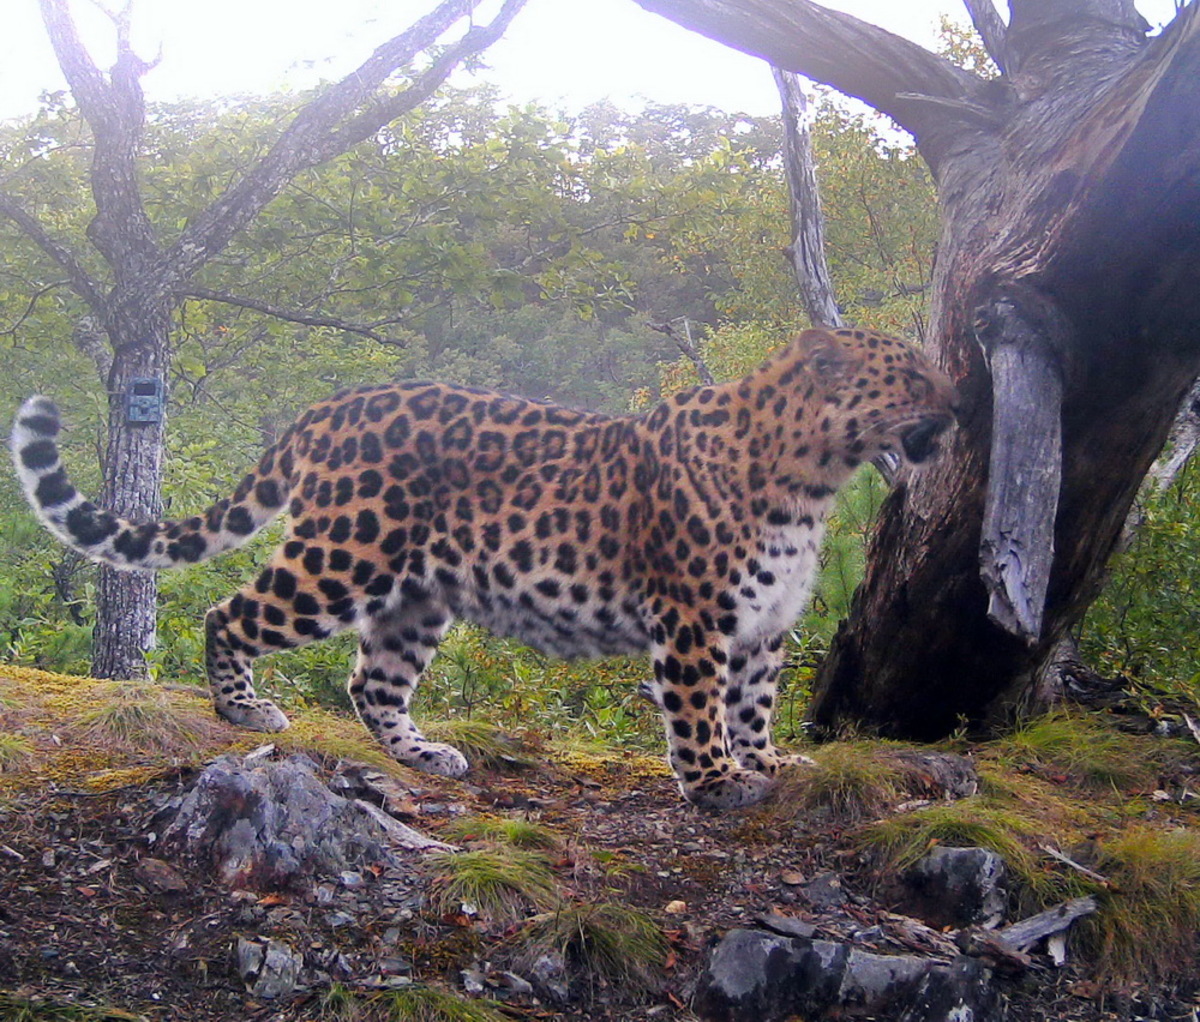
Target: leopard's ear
[(824, 355)]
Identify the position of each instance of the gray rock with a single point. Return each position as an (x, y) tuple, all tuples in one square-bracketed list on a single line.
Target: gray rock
[(549, 975), (958, 887), (509, 984), (788, 926), (474, 979), (267, 825), (268, 968), (393, 965), (754, 976), (825, 892), (961, 993)]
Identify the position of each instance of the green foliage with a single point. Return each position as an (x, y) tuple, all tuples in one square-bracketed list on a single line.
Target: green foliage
[(960, 43), (1143, 624)]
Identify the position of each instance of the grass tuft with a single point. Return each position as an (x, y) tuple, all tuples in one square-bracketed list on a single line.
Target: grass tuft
[(900, 841), (605, 941), (14, 1008), (1085, 747), (147, 717), (412, 1004), (853, 781), (16, 754), (427, 1004), (482, 742), (499, 883), (502, 831), (1146, 928), (330, 737)]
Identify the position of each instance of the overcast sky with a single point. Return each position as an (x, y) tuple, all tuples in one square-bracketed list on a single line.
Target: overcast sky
[(563, 52)]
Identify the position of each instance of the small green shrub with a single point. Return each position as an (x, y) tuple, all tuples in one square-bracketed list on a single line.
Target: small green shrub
[(1143, 624)]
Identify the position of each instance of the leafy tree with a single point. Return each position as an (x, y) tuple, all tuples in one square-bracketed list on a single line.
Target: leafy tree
[(135, 268)]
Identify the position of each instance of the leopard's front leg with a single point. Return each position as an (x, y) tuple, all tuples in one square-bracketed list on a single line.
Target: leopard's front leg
[(690, 677), (750, 698)]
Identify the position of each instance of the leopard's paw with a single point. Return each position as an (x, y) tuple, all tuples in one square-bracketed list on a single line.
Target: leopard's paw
[(255, 715), (734, 790)]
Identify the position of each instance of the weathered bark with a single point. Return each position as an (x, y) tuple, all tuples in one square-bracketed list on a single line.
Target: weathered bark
[(149, 277), (1072, 183), (806, 253)]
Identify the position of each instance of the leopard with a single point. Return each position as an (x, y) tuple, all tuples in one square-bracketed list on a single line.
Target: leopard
[(690, 530)]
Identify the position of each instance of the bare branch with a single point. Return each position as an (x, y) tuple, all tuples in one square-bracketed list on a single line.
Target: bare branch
[(388, 108), (683, 341), (344, 114), (87, 82), (37, 295), (807, 250), (991, 29), (81, 282), (797, 35), (114, 107), (290, 315), (1183, 442)]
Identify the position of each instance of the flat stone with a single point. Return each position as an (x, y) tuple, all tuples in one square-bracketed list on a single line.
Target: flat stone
[(754, 976), (270, 825)]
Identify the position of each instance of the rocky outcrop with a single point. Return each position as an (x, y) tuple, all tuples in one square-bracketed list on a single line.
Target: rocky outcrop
[(266, 825)]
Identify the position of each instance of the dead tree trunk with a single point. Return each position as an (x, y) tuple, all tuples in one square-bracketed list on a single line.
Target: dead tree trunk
[(806, 253), (1068, 273)]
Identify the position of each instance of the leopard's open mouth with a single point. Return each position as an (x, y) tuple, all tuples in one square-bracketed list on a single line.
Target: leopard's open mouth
[(920, 440)]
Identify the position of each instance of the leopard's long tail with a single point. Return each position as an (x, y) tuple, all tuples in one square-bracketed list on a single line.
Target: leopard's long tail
[(146, 546)]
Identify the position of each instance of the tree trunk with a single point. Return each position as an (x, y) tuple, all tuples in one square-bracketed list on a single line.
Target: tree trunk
[(133, 466), (1070, 255)]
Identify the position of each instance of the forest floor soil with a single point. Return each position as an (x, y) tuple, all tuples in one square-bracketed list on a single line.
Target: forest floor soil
[(84, 922)]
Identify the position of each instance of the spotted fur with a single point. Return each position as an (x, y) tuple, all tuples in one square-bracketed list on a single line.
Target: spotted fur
[(691, 531)]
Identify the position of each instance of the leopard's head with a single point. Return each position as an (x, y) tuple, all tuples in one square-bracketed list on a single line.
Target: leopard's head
[(867, 395)]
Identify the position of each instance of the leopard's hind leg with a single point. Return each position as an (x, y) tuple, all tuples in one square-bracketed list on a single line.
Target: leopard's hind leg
[(275, 612)]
